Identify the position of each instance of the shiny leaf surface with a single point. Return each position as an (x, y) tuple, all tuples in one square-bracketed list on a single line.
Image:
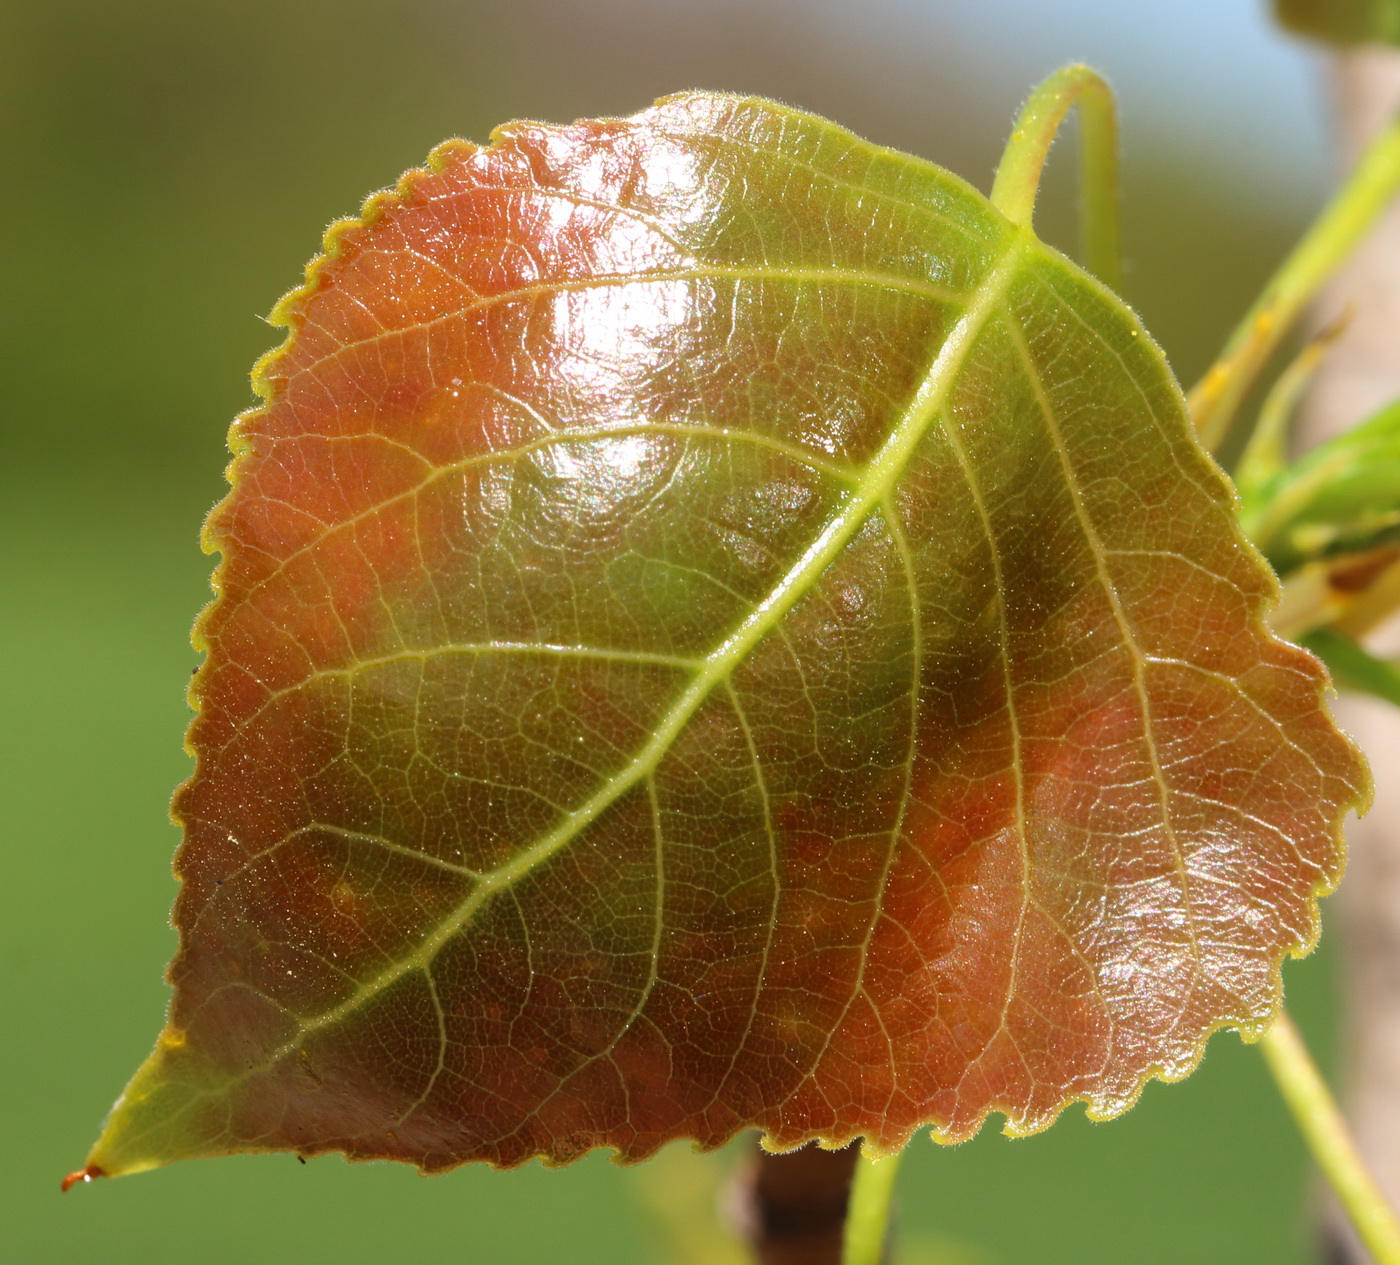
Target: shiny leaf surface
[(717, 628)]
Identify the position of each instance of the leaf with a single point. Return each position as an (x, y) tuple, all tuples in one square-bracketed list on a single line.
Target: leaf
[(1343, 21), (1342, 496), (1353, 666), (719, 629)]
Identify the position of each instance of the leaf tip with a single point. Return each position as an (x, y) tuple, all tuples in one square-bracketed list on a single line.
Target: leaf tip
[(81, 1176)]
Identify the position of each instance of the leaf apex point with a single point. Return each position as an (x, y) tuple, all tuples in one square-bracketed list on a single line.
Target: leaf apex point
[(80, 1177)]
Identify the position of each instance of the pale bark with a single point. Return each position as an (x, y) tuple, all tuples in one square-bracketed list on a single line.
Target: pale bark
[(1361, 373)]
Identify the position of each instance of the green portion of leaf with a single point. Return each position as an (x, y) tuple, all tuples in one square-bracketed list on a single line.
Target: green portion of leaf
[(1343, 496), (1343, 21), (1353, 667)]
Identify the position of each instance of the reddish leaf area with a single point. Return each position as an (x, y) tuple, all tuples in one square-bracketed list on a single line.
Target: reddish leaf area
[(80, 1176), (719, 629)]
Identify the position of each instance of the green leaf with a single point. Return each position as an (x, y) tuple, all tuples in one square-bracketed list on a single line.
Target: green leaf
[(1353, 667), (719, 629), (1342, 21), (1341, 497)]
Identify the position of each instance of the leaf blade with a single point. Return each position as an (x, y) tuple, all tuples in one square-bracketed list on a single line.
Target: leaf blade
[(490, 643)]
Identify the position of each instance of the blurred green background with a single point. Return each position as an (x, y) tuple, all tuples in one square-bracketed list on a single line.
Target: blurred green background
[(169, 166)]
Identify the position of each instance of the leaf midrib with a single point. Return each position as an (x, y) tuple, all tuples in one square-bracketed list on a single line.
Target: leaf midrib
[(874, 486)]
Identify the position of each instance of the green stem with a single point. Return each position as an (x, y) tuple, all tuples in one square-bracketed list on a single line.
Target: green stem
[(1018, 174), (1368, 190), (1330, 1141), (1265, 456), (868, 1213)]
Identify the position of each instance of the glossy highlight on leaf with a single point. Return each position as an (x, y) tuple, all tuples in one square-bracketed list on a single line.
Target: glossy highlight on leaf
[(719, 629)]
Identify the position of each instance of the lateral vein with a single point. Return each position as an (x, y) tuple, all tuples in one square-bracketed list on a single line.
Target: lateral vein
[(874, 487), (875, 484)]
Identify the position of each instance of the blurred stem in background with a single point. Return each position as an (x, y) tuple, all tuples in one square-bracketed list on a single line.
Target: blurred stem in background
[(1358, 375), (868, 1221), (1215, 401), (792, 1208), (1332, 1144)]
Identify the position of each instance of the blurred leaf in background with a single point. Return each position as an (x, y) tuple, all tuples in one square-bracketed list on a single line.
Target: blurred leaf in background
[(1343, 21), (170, 168), (1341, 496)]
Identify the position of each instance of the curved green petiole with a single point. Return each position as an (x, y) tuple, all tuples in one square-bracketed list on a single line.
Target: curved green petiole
[(1018, 174), (1369, 189)]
